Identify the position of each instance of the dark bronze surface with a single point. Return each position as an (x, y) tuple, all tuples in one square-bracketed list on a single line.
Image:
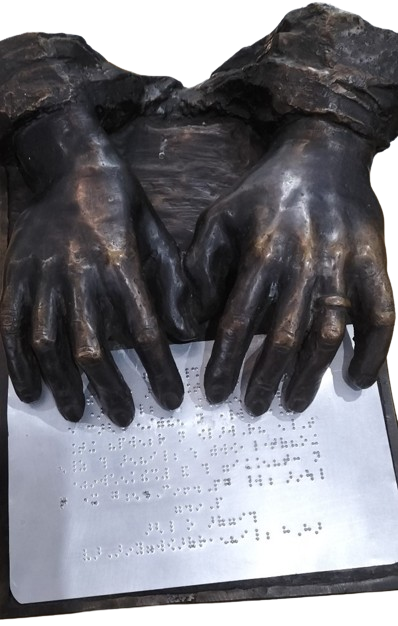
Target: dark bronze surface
[(312, 248), (345, 76), (266, 165)]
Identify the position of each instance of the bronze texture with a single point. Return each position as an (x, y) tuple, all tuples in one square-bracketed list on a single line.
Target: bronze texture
[(141, 212)]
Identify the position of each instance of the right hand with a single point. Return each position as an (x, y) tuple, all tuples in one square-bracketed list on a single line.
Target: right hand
[(74, 281), (300, 237)]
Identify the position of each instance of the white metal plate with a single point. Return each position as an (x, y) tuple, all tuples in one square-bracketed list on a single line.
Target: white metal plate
[(201, 495)]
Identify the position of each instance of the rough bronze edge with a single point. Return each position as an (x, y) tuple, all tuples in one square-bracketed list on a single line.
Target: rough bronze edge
[(380, 578)]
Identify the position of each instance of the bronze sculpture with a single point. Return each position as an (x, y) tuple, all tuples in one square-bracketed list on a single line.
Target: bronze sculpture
[(274, 150)]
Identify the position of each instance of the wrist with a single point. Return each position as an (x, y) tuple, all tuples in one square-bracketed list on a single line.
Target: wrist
[(332, 143), (61, 142)]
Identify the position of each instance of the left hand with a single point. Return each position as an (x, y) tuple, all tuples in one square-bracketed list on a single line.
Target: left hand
[(84, 258), (302, 236)]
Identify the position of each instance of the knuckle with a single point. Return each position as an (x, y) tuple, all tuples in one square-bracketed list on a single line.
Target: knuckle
[(232, 326), (333, 257), (41, 342), (285, 340), (87, 356), (9, 322), (270, 246), (331, 334), (382, 310), (370, 263), (148, 336), (369, 268), (384, 317)]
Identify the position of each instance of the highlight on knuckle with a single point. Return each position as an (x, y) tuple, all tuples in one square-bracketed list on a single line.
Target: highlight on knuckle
[(385, 317), (87, 356), (369, 263), (42, 343), (331, 335), (285, 340), (269, 247)]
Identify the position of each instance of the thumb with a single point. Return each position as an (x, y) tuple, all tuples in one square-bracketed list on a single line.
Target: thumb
[(209, 261), (164, 273)]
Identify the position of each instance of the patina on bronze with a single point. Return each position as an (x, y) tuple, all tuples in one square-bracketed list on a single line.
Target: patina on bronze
[(266, 164)]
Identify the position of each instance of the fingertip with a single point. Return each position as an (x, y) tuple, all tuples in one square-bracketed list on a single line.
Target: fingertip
[(174, 395), (73, 412), (25, 378), (362, 371), (258, 399), (297, 397), (256, 407), (216, 393), (219, 383), (121, 412), (120, 409), (171, 400), (28, 395), (297, 403), (122, 417), (359, 380)]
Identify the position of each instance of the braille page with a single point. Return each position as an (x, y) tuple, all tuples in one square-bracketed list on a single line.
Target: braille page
[(200, 495)]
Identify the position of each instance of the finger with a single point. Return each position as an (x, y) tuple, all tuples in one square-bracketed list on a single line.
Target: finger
[(326, 333), (209, 262), (132, 300), (314, 358), (373, 319), (165, 275), (93, 357), (281, 344), (15, 329), (244, 309), (54, 355)]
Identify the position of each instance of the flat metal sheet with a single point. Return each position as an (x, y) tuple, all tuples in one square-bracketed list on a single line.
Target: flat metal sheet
[(201, 495)]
